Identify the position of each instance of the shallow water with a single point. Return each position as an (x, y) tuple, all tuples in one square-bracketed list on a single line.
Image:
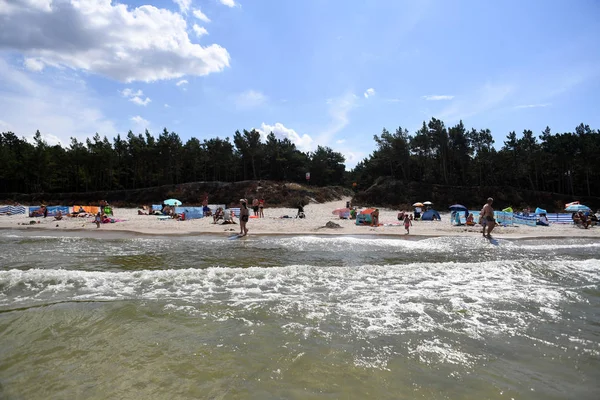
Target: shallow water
[(297, 317)]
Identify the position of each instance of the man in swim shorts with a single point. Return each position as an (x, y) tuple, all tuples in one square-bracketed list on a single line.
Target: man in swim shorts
[(487, 217)]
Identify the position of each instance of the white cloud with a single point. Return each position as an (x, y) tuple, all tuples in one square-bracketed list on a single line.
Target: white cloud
[(534, 105), (51, 140), (33, 64), (437, 97), (135, 97), (482, 99), (228, 3), (199, 30), (303, 142), (369, 92), (126, 44), (130, 93), (63, 108), (182, 82), (140, 122), (167, 106), (340, 141), (250, 99), (350, 157), (184, 5), (140, 102), (10, 7), (200, 15), (339, 108)]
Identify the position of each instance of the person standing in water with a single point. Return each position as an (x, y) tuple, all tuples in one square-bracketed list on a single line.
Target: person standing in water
[(487, 217), (244, 216), (407, 223)]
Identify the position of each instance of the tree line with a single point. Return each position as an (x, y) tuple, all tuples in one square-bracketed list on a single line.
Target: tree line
[(566, 163), (139, 161)]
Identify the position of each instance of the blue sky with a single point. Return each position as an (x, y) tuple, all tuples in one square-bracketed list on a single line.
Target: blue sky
[(319, 72)]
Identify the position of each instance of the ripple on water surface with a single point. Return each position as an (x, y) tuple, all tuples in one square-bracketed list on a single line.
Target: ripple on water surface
[(453, 304)]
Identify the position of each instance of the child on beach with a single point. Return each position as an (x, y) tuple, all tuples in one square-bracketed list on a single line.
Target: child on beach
[(98, 219), (407, 224)]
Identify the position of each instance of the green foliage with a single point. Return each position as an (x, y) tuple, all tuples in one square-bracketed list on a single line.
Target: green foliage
[(139, 161), (565, 163)]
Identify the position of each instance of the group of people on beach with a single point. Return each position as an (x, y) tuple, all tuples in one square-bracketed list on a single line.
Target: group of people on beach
[(486, 218), (258, 206), (227, 216), (583, 220)]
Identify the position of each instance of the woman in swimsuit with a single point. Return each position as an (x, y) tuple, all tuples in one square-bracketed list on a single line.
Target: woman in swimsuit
[(244, 216)]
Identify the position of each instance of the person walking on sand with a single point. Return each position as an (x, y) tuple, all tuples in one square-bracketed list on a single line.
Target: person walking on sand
[(98, 219), (407, 223), (487, 217), (244, 216)]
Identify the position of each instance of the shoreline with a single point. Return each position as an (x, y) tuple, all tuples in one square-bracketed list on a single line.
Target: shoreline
[(99, 232), (281, 222)]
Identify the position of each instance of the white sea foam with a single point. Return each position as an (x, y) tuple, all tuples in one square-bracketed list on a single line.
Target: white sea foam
[(364, 303), (350, 243)]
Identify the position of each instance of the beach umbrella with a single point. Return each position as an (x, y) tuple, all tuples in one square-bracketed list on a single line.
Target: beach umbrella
[(367, 211), (540, 211), (577, 207), (172, 202), (507, 209), (427, 203), (457, 207), (418, 205), (339, 211)]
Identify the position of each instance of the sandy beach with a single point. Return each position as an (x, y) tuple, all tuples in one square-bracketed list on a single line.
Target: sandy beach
[(317, 215)]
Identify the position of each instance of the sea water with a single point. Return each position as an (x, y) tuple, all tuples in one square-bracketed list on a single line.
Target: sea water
[(120, 316)]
